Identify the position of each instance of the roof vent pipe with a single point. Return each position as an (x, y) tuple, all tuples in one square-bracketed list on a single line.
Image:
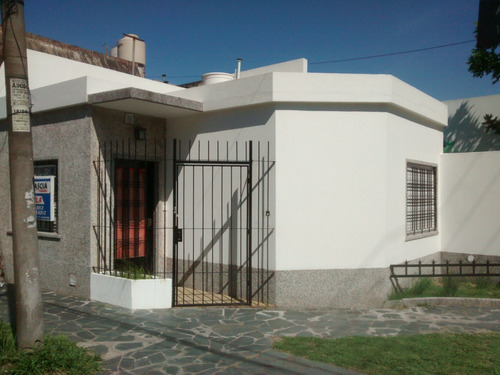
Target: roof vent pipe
[(238, 70)]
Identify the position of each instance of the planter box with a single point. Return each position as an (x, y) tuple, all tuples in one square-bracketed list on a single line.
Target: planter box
[(131, 294)]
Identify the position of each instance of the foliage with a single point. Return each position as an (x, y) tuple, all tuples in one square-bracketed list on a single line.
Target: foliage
[(422, 285), (484, 62), (478, 287), (130, 270), (56, 355), (450, 286), (415, 354), (491, 123), (7, 343)]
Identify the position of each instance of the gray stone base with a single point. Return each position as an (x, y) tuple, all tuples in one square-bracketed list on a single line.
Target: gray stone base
[(340, 288), (349, 288)]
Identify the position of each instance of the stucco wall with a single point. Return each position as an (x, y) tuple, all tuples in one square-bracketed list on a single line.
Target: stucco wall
[(72, 138), (112, 138), (63, 136), (340, 197), (465, 131), (470, 187), (46, 70), (341, 188), (228, 127), (224, 129)]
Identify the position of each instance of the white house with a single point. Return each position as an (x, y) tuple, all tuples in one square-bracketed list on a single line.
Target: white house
[(281, 186)]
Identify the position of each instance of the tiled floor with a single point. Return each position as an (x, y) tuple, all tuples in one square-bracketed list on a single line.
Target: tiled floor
[(233, 340), (188, 296)]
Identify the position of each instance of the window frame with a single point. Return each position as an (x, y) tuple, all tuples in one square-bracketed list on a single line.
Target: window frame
[(425, 222)]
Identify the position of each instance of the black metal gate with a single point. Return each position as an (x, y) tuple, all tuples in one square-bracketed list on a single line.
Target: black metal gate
[(219, 248), (212, 241)]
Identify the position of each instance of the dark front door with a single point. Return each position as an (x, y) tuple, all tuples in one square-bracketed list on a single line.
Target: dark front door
[(135, 201)]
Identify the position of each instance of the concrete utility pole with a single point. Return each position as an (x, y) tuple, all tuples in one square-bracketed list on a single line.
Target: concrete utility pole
[(29, 326)]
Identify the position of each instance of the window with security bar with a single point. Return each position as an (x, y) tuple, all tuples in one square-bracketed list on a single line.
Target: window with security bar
[(421, 200)]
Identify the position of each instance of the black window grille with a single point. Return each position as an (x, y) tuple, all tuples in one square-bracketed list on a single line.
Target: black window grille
[(48, 168), (421, 199)]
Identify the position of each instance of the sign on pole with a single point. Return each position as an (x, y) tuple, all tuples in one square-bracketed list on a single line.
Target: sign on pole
[(20, 104)]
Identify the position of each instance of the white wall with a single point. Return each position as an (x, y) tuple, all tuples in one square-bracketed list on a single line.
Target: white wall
[(465, 130), (297, 66), (319, 88), (229, 128), (47, 71), (341, 179), (342, 142), (470, 190), (407, 140), (330, 185)]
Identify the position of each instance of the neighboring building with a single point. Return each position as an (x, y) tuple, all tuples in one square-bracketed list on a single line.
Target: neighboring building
[(465, 131), (339, 181)]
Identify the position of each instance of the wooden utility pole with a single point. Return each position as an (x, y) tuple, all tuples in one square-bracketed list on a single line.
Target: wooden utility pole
[(29, 326)]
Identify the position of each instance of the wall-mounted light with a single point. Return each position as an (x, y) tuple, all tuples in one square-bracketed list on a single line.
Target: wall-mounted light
[(140, 134)]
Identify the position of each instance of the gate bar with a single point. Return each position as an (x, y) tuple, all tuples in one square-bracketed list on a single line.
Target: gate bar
[(249, 226), (174, 224)]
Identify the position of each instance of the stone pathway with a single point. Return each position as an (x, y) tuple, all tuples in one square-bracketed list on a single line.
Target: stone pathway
[(233, 340)]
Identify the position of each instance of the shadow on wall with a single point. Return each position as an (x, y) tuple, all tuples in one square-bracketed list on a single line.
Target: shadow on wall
[(465, 132)]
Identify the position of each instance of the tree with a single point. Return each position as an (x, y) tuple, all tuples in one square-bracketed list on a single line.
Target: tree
[(485, 60)]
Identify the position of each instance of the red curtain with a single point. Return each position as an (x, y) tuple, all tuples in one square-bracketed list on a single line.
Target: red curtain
[(130, 203)]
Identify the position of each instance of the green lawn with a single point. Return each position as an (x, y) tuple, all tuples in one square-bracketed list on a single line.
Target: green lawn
[(416, 354), (56, 355)]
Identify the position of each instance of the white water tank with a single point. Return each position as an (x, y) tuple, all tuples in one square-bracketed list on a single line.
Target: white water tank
[(216, 77), (126, 47)]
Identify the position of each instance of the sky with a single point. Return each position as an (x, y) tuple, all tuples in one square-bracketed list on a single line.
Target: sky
[(187, 38)]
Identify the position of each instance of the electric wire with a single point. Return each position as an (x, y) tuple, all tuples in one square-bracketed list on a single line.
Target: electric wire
[(392, 53), (365, 57)]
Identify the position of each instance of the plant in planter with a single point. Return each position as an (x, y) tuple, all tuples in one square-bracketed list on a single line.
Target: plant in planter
[(131, 287)]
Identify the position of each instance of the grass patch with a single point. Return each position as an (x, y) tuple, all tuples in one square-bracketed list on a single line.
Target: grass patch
[(131, 270), (480, 287), (439, 354), (56, 355)]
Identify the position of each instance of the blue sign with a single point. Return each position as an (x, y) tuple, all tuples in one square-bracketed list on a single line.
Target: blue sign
[(44, 198)]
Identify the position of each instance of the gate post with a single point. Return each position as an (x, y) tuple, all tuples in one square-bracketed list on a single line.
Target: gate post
[(249, 224), (174, 225)]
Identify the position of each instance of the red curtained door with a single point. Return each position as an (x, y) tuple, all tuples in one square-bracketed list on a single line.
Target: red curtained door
[(130, 203)]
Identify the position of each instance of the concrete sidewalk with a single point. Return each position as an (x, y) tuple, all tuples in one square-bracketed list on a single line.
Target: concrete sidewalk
[(233, 340)]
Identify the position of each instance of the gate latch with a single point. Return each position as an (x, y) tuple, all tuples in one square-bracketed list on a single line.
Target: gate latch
[(178, 235)]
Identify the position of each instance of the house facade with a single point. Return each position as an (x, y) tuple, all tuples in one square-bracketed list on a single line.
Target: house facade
[(280, 187)]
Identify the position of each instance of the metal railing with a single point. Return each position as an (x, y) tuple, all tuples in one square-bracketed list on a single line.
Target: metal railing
[(180, 210), (447, 269)]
